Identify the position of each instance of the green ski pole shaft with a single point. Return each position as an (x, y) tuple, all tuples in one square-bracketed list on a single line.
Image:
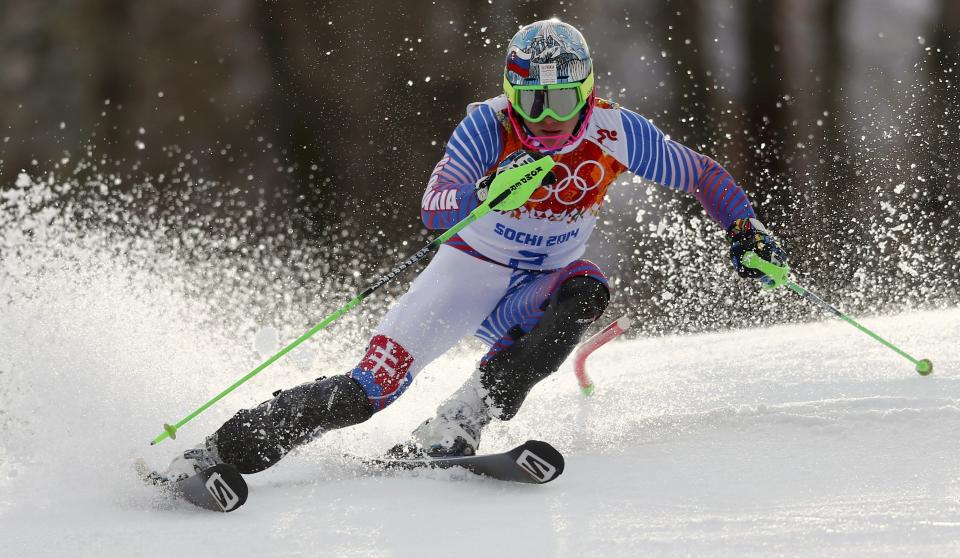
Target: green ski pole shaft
[(170, 430), (778, 274)]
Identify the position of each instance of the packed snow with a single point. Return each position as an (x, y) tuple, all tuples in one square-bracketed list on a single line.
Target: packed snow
[(805, 439), (802, 439)]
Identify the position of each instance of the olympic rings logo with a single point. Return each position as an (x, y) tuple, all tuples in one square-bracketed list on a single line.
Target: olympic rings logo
[(573, 179)]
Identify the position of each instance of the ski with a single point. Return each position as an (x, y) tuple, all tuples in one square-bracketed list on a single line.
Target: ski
[(533, 462), (220, 488)]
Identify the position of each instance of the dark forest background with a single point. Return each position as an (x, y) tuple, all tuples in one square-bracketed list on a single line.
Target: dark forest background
[(319, 122)]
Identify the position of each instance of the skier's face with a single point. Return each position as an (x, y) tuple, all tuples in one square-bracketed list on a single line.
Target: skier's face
[(550, 126)]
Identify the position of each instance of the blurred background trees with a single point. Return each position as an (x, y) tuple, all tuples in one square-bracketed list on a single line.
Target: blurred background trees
[(323, 119)]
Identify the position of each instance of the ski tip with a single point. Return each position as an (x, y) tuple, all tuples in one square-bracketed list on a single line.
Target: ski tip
[(541, 460), (624, 322), (220, 488), (924, 367), (587, 389)]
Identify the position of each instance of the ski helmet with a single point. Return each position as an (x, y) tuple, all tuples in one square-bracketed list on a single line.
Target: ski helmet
[(548, 72)]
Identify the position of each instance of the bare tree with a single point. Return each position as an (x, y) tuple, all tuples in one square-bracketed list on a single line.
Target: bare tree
[(938, 135), (835, 171), (691, 101), (766, 115)]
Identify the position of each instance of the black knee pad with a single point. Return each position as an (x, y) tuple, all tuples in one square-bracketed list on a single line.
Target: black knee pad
[(254, 439), (510, 375), (579, 302)]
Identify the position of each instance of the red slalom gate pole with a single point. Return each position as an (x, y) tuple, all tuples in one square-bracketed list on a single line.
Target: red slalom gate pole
[(592, 344)]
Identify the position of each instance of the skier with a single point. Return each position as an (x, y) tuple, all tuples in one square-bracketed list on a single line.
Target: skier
[(514, 278)]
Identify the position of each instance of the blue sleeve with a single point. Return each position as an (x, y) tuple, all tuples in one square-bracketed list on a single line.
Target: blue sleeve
[(473, 149), (652, 156)]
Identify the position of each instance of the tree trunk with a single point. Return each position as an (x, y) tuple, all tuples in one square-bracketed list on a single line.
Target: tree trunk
[(690, 106), (766, 116)]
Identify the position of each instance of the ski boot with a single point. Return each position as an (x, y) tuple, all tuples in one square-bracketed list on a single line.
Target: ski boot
[(454, 431)]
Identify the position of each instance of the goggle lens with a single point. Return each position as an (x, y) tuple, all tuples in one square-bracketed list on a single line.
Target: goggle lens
[(562, 102)]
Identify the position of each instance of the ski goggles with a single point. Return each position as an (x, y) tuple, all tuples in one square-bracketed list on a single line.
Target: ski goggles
[(562, 101)]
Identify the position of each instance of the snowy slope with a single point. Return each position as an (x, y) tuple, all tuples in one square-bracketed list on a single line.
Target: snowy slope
[(796, 440)]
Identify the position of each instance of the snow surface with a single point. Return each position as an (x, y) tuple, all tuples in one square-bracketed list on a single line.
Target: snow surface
[(801, 440)]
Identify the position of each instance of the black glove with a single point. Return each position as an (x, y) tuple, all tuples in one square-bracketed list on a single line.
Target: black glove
[(749, 235)]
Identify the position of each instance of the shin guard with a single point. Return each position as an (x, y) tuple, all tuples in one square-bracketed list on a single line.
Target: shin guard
[(254, 439), (512, 373)]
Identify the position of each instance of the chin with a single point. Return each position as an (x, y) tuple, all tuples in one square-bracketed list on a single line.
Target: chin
[(552, 132)]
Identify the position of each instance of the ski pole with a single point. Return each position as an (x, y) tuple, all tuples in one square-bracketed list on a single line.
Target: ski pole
[(586, 349), (542, 167), (778, 276)]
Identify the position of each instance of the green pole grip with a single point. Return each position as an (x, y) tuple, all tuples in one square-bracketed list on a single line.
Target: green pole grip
[(776, 273)]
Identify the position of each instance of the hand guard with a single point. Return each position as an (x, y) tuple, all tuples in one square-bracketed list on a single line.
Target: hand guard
[(749, 234), (487, 186)]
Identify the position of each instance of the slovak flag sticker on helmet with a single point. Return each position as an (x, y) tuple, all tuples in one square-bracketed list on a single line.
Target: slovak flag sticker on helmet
[(517, 64)]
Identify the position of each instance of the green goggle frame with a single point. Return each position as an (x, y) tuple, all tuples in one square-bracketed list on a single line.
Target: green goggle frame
[(539, 106)]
